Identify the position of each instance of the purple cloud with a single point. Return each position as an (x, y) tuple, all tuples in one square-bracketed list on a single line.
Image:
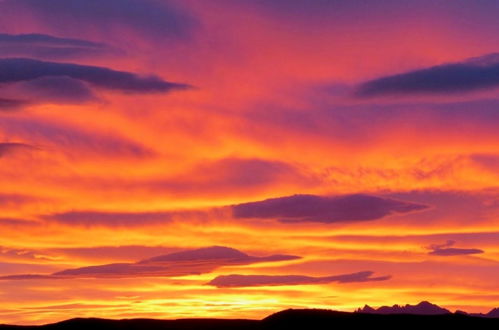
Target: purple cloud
[(27, 277), (34, 39), (235, 280), (230, 175), (330, 209), (467, 76), (15, 200), (446, 250), (14, 70), (17, 223), (218, 253), (55, 90), (123, 253), (70, 139), (59, 90), (47, 46), (190, 262), (117, 219), (10, 148), (151, 18), (9, 104), (7, 253), (487, 161)]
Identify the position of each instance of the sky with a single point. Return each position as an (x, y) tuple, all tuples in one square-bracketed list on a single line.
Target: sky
[(231, 158)]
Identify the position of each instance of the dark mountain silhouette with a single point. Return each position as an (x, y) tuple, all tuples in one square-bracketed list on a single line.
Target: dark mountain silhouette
[(309, 319), (327, 319), (423, 308), (140, 324), (493, 313)]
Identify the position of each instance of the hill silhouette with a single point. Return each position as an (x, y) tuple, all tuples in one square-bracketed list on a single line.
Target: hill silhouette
[(408, 316)]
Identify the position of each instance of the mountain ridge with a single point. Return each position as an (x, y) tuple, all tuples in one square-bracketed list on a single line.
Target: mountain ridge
[(287, 319)]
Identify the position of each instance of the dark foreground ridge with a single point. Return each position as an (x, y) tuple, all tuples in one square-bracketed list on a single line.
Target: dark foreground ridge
[(308, 319)]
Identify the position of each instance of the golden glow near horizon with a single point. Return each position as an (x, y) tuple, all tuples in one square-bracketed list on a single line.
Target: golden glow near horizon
[(99, 169)]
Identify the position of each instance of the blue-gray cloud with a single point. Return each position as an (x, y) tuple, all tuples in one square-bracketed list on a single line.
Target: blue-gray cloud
[(33, 39), (55, 90), (150, 18), (14, 70), (475, 74), (46, 46)]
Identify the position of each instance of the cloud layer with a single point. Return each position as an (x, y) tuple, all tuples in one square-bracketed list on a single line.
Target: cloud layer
[(11, 148), (235, 280), (468, 76), (46, 46), (150, 18), (446, 250), (14, 70), (310, 208), (189, 262)]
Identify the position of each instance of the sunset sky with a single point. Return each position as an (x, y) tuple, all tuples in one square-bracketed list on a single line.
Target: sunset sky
[(233, 158)]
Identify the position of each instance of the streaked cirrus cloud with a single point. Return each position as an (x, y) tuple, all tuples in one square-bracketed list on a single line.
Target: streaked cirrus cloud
[(46, 46), (149, 18), (236, 280), (189, 262)]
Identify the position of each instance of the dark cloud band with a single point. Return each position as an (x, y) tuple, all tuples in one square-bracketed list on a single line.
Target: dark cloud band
[(328, 209), (14, 70), (472, 75), (235, 280)]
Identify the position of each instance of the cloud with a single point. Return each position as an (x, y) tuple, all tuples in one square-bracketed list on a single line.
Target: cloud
[(8, 104), (122, 253), (34, 39), (11, 148), (60, 90), (233, 175), (446, 250), (7, 253), (17, 223), (330, 209), (27, 277), (70, 139), (219, 253), (14, 70), (115, 219), (235, 280), (487, 161), (189, 262), (150, 18), (472, 75), (47, 46)]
